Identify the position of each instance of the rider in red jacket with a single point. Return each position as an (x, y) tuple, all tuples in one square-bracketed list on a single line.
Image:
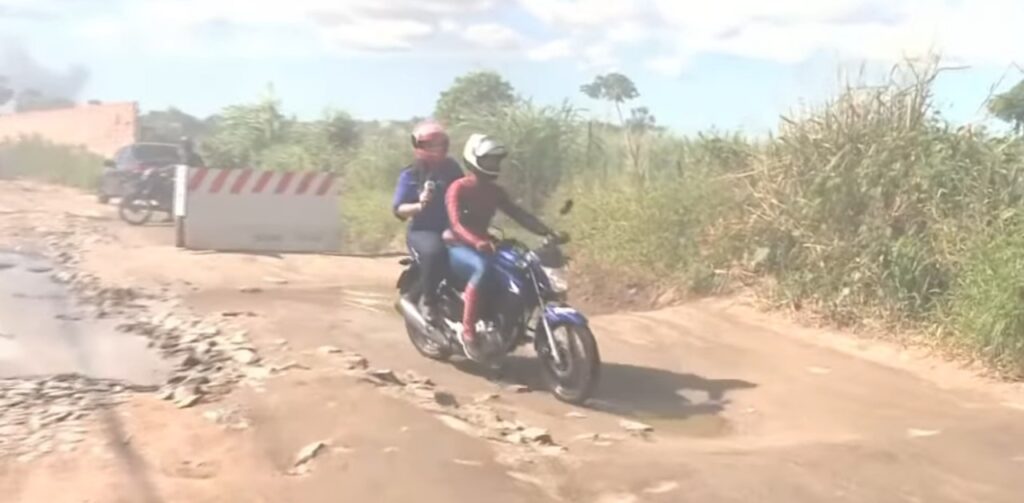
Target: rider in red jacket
[(472, 202)]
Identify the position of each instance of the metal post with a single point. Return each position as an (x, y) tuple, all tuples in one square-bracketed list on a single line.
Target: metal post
[(180, 198)]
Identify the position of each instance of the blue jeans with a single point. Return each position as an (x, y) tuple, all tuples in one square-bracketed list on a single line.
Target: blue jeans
[(431, 253), (473, 267), (469, 265)]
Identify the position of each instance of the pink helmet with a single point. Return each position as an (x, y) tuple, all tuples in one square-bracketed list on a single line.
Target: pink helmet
[(430, 142)]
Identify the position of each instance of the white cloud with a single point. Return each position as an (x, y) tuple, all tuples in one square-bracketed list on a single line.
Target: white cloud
[(791, 31), (492, 36), (582, 12), (673, 32), (449, 26), (630, 32), (379, 34), (556, 49), (353, 25)]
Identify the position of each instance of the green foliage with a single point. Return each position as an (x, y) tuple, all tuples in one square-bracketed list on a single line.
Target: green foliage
[(483, 92), (369, 225), (985, 313), (639, 229), (243, 132), (866, 204), (543, 142), (38, 159), (168, 126), (379, 160), (369, 181), (641, 120), (618, 88), (1009, 107), (614, 87), (337, 129), (863, 208), (260, 135)]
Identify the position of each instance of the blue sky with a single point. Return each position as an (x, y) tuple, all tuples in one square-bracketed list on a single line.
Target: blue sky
[(730, 64)]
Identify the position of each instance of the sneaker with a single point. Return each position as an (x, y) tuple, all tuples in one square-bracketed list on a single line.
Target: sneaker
[(472, 348)]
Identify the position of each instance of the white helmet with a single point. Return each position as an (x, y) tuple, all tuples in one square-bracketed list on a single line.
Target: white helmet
[(479, 146)]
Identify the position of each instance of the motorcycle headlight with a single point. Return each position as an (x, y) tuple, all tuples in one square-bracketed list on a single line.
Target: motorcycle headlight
[(558, 278)]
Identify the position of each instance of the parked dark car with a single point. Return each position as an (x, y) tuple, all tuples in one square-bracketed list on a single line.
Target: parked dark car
[(121, 173)]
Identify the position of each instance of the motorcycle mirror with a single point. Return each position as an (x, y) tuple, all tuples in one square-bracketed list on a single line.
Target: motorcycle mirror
[(566, 207)]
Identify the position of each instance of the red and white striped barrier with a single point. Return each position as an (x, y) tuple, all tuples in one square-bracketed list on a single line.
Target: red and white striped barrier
[(253, 210)]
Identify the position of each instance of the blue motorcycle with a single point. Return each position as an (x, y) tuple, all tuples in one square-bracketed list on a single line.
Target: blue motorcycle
[(526, 301)]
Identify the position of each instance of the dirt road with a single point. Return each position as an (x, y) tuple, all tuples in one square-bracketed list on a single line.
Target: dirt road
[(744, 406)]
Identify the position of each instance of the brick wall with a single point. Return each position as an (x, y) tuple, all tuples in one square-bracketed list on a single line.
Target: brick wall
[(101, 129)]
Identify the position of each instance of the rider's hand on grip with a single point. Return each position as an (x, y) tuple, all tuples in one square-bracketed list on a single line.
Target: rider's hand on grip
[(558, 238)]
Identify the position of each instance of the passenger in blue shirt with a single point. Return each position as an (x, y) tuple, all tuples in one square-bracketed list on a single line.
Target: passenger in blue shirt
[(419, 198)]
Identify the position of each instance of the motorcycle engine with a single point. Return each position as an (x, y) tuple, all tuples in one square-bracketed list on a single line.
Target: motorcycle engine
[(491, 334)]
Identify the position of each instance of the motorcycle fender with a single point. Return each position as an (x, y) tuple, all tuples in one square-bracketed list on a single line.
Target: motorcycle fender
[(564, 315), (406, 279)]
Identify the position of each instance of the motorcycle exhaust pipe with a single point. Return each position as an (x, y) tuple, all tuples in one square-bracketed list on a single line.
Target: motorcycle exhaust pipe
[(411, 313)]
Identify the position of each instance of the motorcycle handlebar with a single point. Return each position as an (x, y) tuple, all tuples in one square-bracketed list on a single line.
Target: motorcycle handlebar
[(554, 239)]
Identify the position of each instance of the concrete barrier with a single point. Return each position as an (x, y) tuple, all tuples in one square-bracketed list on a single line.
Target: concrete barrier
[(260, 211)]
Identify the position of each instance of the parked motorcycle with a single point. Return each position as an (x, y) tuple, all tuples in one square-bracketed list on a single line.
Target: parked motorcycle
[(152, 192), (526, 301)]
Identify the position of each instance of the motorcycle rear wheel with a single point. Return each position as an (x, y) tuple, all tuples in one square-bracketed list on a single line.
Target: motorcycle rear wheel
[(420, 341), (135, 209)]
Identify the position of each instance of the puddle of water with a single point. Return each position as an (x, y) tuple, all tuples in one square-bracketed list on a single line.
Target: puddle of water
[(42, 333), (331, 297)]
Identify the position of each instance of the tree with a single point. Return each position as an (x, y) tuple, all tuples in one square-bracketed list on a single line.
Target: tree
[(481, 92), (618, 89), (170, 125), (325, 145), (340, 129), (1009, 107), (613, 87), (261, 135), (29, 100), (242, 132)]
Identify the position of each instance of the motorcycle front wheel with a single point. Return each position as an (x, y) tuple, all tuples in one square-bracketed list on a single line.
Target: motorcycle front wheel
[(135, 209), (573, 380)]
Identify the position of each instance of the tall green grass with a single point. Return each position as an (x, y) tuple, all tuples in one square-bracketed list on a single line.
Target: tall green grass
[(368, 185), (985, 308), (868, 206), (38, 159)]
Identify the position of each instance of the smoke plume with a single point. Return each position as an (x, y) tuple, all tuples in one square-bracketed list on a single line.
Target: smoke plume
[(23, 72)]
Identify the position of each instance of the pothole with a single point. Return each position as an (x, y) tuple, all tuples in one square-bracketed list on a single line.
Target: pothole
[(45, 332)]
